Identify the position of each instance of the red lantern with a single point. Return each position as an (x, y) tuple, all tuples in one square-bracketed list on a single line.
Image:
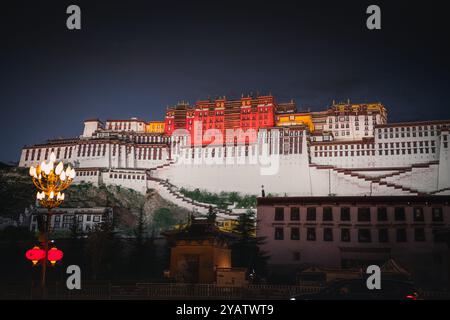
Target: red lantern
[(35, 254), (54, 255)]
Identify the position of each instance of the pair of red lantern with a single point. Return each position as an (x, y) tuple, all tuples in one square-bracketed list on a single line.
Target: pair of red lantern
[(36, 254)]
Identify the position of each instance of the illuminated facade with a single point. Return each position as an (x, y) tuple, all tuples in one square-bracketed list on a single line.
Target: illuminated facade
[(222, 114), (155, 127), (347, 149), (198, 250), (295, 119)]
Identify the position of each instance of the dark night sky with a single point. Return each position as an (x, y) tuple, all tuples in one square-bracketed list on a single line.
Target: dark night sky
[(133, 58)]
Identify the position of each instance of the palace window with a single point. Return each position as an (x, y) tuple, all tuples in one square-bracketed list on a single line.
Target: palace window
[(311, 214), (401, 235), (327, 234), (279, 214), (295, 214), (295, 233), (364, 235), (345, 214), (400, 214), (311, 234), (345, 235), (364, 214), (382, 214), (279, 233), (437, 214), (418, 214), (419, 234), (327, 214), (383, 235)]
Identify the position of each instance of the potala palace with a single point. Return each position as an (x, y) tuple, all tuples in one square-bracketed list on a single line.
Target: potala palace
[(242, 145)]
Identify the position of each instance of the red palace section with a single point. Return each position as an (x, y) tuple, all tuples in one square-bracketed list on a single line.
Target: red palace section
[(221, 114)]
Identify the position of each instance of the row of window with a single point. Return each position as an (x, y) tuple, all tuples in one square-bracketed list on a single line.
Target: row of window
[(364, 214), (407, 134), (347, 133), (407, 151), (346, 147), (148, 153), (347, 118), (418, 128), (408, 144), (345, 153), (35, 154), (80, 218), (347, 126), (126, 176), (91, 149), (392, 145), (380, 152), (150, 139), (293, 148), (86, 173), (122, 125), (70, 218), (364, 235)]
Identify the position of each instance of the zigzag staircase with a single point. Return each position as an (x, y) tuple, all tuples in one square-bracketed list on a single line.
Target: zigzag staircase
[(171, 193), (381, 180)]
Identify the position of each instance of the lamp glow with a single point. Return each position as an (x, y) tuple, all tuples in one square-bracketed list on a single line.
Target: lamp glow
[(59, 168)]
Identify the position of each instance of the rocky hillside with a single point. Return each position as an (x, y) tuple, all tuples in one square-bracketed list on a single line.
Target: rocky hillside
[(17, 192), (127, 203)]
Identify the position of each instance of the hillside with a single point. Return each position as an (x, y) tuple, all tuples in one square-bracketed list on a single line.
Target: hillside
[(17, 192)]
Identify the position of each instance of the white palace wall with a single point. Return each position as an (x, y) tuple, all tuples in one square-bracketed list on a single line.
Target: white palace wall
[(380, 170)]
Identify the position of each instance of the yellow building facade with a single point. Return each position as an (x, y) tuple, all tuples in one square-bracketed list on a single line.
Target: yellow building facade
[(198, 250), (155, 127), (294, 119)]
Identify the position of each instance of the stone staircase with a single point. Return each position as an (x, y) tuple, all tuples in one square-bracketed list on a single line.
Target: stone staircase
[(161, 166), (374, 180), (441, 190), (171, 193)]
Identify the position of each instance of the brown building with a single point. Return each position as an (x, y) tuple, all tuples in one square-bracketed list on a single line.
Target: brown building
[(353, 232), (199, 251)]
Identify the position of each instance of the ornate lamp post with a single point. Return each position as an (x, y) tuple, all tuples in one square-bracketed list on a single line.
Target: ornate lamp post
[(50, 180)]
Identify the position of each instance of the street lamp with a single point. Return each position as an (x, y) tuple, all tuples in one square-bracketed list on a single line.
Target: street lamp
[(50, 181)]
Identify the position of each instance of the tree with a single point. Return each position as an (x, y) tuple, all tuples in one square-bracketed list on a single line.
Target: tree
[(140, 230), (75, 231), (76, 243), (140, 239), (102, 247), (162, 219), (246, 250), (212, 215)]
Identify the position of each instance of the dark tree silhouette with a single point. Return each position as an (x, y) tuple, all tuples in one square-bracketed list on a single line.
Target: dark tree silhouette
[(246, 250)]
